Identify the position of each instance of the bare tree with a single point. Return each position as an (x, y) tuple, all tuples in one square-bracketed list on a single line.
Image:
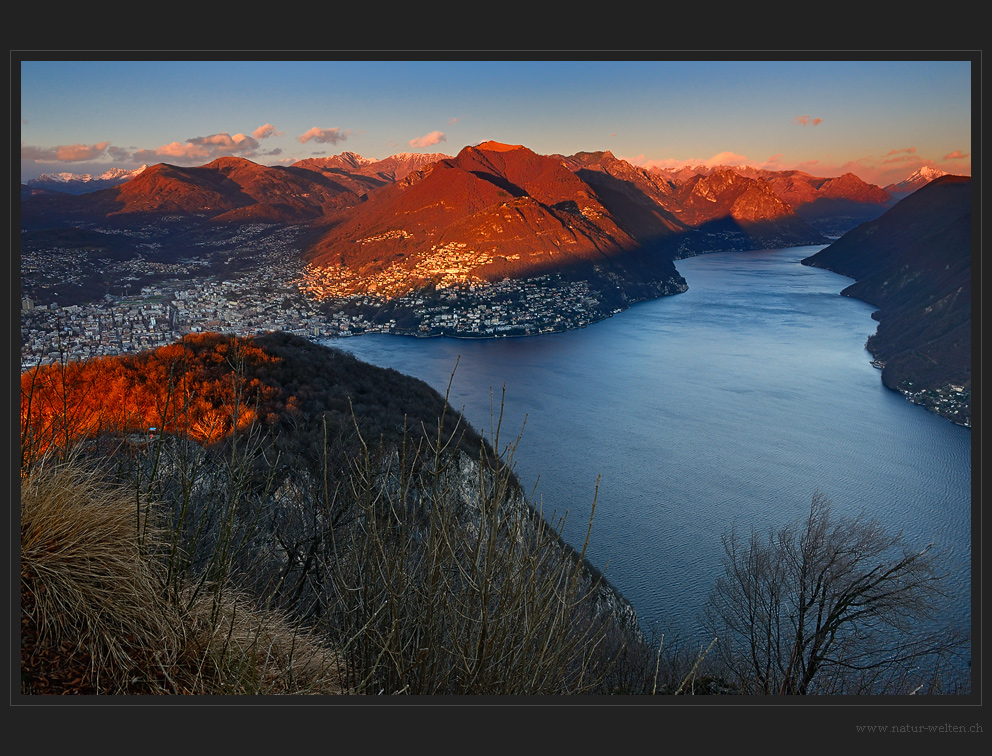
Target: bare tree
[(829, 605)]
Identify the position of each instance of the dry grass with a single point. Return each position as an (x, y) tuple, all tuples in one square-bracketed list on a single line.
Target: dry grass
[(99, 614)]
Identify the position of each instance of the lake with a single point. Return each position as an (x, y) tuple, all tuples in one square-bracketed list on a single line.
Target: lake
[(728, 404)]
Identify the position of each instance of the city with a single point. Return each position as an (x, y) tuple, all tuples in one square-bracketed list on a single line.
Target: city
[(278, 292)]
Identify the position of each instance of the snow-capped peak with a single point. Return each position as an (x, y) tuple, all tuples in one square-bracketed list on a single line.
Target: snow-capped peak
[(116, 173), (925, 174)]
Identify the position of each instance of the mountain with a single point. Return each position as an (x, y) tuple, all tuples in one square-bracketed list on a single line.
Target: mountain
[(914, 264), (739, 209), (82, 183), (499, 210), (227, 189), (494, 211), (362, 174), (917, 180), (727, 200), (831, 205)]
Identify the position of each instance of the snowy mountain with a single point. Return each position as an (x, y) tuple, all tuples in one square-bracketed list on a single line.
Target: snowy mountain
[(82, 183), (917, 180)]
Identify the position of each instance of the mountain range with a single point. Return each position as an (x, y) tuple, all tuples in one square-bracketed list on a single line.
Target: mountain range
[(493, 211), (496, 212), (831, 205), (501, 210), (362, 174), (82, 183)]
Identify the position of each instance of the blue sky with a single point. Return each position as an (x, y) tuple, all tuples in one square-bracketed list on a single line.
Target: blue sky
[(878, 119)]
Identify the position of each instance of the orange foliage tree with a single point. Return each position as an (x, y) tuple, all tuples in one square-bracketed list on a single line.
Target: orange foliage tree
[(202, 386)]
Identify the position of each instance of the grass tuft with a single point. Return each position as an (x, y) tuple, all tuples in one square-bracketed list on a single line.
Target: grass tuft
[(99, 617)]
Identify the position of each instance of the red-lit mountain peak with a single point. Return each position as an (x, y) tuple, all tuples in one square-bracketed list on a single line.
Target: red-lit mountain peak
[(522, 171), (494, 146)]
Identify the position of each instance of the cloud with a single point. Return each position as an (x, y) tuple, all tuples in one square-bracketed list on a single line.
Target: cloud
[(452, 121), (428, 139), (805, 120), (904, 155), (224, 142), (119, 153), (956, 155), (66, 153), (201, 149), (264, 132), (323, 136), (195, 151)]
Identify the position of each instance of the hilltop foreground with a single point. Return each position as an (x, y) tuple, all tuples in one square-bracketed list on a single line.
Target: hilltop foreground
[(267, 515)]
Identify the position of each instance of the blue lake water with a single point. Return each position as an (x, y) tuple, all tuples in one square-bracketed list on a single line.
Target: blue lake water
[(730, 403)]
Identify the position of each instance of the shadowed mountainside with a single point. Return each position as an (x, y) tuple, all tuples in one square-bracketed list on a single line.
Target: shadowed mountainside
[(914, 264)]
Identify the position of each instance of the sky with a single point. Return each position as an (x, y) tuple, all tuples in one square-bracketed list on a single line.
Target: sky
[(878, 119)]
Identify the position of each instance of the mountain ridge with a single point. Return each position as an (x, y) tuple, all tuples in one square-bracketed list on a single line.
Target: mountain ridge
[(831, 204), (496, 211), (914, 264)]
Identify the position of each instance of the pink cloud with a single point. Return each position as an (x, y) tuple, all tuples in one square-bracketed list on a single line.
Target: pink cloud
[(264, 132), (177, 150), (428, 139), (72, 153), (323, 136), (224, 142), (900, 158), (66, 153), (955, 155), (805, 120), (201, 149)]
